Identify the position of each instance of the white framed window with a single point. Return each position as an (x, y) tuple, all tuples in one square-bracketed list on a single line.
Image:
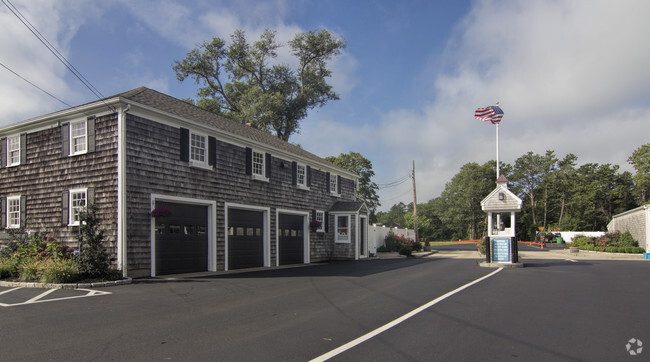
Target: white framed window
[(78, 138), (333, 184), (198, 148), (320, 216), (13, 150), (258, 164), (77, 204), (342, 228), (13, 212)]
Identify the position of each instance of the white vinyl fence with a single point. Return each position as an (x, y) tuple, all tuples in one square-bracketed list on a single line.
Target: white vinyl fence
[(376, 235)]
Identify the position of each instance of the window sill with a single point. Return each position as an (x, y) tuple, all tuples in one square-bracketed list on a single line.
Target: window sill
[(203, 166), (334, 194), (342, 241), (259, 178), (13, 165), (302, 187)]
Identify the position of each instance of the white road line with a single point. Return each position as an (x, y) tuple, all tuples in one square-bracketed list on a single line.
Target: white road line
[(397, 321), (9, 290), (36, 298), (571, 260)]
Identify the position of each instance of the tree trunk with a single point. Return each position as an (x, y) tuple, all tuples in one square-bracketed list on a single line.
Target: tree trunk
[(561, 214)]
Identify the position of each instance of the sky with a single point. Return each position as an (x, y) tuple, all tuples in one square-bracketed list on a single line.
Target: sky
[(571, 76)]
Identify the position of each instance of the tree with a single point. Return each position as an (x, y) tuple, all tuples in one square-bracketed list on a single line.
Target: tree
[(529, 174), (240, 82), (360, 165), (640, 160), (395, 215)]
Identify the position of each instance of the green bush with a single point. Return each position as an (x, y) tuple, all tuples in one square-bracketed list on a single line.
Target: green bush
[(612, 249), (59, 271), (7, 268), (93, 259), (634, 250), (382, 249), (405, 250), (29, 270), (627, 240)]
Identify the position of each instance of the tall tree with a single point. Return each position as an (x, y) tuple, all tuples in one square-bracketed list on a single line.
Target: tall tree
[(640, 160), (528, 175), (367, 190), (240, 81)]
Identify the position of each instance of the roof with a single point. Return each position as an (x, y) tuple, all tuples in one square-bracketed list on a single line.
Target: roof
[(176, 107), (509, 201), (349, 206)]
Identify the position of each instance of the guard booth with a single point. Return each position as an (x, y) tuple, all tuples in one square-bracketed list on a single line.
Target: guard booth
[(501, 206)]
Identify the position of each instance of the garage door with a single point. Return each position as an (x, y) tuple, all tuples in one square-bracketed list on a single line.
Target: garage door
[(245, 239), (291, 239), (182, 239)]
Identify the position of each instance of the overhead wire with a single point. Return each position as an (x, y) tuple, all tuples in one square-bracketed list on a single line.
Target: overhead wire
[(55, 52)]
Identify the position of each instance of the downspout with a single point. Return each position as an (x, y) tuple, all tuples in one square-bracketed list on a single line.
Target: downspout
[(121, 190)]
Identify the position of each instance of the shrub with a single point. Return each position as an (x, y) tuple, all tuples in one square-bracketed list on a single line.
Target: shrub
[(627, 240), (382, 249), (612, 249), (59, 271), (7, 268), (93, 260), (634, 250), (395, 243), (405, 250), (29, 270)]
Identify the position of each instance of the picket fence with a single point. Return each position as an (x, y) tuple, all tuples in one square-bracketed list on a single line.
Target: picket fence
[(376, 235)]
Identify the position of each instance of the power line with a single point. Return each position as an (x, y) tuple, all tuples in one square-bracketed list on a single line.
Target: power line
[(54, 51), (34, 85), (39, 88), (397, 182)]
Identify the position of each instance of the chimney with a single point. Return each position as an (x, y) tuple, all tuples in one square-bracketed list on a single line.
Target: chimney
[(252, 125)]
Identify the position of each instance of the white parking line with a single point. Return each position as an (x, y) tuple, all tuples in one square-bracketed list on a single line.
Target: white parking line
[(39, 298), (397, 321)]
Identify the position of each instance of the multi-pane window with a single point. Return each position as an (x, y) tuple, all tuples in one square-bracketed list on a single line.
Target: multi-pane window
[(343, 229), (333, 184), (320, 216), (77, 204), (78, 138), (13, 150), (13, 212), (197, 148), (258, 164), (301, 175)]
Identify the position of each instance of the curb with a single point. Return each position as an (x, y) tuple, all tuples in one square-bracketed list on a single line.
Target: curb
[(112, 283)]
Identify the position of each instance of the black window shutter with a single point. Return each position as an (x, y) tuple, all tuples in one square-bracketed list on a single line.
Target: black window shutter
[(3, 152), (212, 151), (327, 182), (294, 173), (23, 148), (308, 176), (268, 165), (185, 144), (90, 133), (327, 222), (338, 184), (3, 213), (65, 140), (23, 210), (313, 214), (249, 161), (65, 215), (90, 196)]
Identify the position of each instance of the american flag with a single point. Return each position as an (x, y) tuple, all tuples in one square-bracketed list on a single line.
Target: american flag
[(491, 113)]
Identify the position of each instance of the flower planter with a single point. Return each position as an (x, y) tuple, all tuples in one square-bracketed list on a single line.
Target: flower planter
[(574, 249)]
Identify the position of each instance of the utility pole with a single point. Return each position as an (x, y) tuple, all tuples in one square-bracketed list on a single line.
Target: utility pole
[(415, 207)]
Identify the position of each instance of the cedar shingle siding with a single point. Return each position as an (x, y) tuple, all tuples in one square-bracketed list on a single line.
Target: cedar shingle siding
[(156, 161)]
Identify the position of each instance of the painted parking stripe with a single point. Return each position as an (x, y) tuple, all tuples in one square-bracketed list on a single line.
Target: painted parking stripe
[(40, 298), (397, 321)]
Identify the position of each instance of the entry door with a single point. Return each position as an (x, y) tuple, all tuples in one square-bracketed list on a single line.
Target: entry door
[(363, 242), (245, 239), (181, 239), (291, 239)]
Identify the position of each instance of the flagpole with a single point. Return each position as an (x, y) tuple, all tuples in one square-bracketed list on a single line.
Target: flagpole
[(497, 124)]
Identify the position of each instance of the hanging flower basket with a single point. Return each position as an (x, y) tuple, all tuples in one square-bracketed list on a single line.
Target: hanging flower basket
[(161, 211), (314, 224)]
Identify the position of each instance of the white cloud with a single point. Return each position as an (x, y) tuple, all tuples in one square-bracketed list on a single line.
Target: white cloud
[(25, 55)]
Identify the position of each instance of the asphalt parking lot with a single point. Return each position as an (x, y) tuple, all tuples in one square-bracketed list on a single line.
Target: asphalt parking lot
[(554, 309)]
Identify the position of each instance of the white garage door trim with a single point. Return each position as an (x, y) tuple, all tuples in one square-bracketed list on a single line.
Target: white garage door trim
[(212, 235)]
